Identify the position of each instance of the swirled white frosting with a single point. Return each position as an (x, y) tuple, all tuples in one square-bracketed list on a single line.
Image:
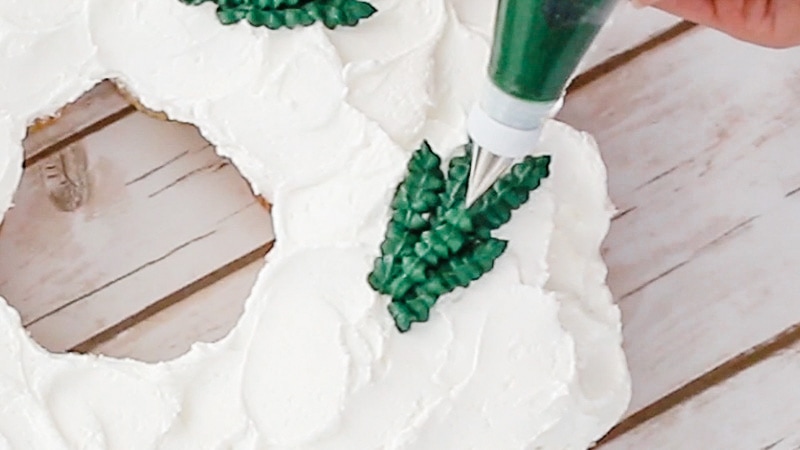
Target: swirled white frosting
[(322, 122)]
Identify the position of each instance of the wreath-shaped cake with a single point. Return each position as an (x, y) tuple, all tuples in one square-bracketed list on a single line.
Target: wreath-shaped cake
[(324, 123)]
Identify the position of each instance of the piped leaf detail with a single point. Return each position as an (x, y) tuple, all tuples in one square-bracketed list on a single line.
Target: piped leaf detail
[(275, 14), (434, 244)]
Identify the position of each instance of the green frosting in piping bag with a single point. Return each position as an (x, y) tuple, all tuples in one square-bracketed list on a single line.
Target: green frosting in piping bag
[(433, 243), (275, 14)]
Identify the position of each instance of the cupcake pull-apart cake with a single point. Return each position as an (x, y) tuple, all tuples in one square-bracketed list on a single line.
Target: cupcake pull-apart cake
[(389, 314)]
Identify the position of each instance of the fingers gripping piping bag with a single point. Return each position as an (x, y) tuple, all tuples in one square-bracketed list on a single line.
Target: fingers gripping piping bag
[(537, 46)]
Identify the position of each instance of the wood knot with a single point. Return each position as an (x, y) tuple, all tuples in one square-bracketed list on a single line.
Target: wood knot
[(65, 175)]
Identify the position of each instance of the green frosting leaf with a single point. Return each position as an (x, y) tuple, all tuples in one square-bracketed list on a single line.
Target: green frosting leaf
[(275, 14), (433, 243)]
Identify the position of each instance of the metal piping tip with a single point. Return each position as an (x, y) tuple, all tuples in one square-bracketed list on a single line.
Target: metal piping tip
[(485, 169)]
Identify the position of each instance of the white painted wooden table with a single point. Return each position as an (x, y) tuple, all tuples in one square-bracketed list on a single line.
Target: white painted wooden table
[(701, 135)]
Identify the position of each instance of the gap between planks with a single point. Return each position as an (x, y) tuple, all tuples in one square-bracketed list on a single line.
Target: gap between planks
[(724, 372), (92, 113), (727, 154), (729, 369), (78, 136), (96, 341), (87, 115), (617, 61)]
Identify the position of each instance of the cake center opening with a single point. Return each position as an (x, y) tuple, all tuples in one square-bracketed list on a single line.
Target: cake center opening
[(129, 236)]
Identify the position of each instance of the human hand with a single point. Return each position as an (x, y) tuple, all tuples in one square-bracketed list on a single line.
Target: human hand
[(771, 23)]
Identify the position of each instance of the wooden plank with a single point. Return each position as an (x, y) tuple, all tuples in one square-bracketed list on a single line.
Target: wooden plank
[(205, 316), (701, 151), (628, 27), (756, 409), (734, 293), (164, 210), (95, 107)]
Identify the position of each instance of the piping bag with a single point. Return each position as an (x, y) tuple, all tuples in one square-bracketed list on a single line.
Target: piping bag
[(537, 47)]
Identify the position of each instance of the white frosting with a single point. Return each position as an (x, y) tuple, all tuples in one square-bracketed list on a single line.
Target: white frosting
[(322, 122)]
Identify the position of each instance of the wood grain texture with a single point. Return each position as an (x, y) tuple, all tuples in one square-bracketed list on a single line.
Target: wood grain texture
[(702, 151), (745, 360), (163, 211), (628, 27), (205, 316), (102, 102), (757, 409)]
